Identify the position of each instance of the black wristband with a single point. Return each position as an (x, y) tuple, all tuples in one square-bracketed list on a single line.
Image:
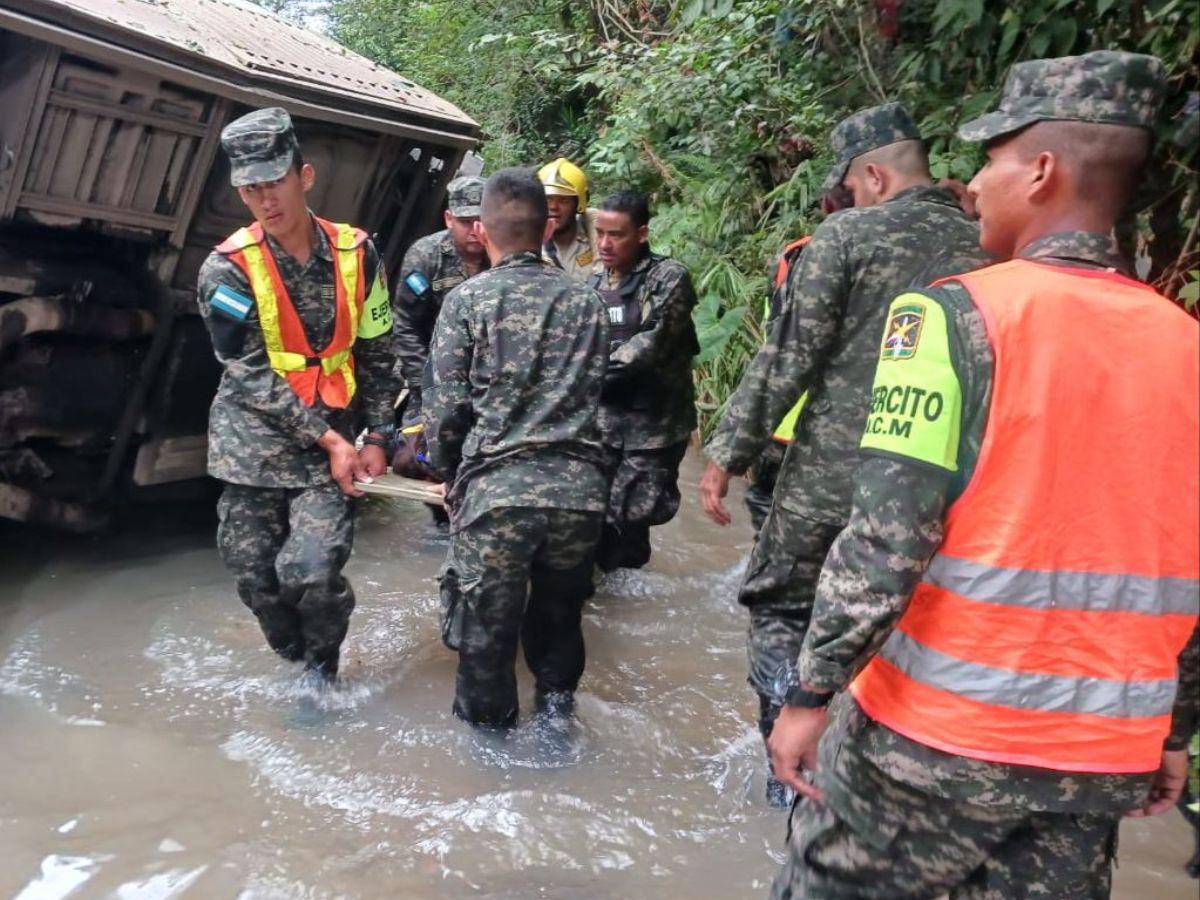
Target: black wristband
[(372, 441), (798, 696)]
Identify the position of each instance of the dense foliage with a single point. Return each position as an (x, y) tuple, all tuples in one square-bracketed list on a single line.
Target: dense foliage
[(722, 110)]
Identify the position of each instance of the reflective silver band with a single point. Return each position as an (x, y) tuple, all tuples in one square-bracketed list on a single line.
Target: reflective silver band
[(1023, 690), (1086, 591)]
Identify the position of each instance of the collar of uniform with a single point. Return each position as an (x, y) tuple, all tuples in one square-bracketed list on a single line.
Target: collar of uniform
[(924, 193), (644, 261), (1089, 247), (320, 243), (521, 258)]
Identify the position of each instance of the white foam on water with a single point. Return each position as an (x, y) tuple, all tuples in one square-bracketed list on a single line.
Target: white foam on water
[(160, 886), (25, 673), (59, 876)]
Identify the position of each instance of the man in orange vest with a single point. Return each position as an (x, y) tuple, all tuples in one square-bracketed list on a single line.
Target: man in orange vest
[(1013, 602), (297, 308)]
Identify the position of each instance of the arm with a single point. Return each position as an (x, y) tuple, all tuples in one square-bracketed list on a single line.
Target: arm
[(785, 366), (238, 344), (447, 408), (665, 329), (415, 309)]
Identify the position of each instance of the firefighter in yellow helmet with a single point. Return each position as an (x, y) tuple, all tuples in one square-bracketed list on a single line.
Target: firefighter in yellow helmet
[(571, 244)]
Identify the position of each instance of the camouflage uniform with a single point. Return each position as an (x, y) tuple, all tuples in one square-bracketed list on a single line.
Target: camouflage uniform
[(825, 342), (285, 527), (512, 392), (432, 268), (901, 818), (649, 407)]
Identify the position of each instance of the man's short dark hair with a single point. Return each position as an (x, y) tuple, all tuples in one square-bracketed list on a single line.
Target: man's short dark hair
[(514, 210), (633, 204)]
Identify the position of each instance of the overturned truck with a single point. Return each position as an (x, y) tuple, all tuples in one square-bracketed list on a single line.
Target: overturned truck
[(112, 192)]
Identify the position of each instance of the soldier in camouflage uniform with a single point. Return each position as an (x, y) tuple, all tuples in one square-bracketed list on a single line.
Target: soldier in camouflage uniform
[(287, 464), (433, 266), (901, 231), (649, 407), (512, 396), (889, 815)]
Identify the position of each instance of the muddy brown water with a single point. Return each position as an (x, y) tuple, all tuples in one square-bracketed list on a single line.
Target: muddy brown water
[(151, 747)]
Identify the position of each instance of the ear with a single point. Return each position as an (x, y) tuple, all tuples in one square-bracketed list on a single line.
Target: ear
[(308, 177), (241, 192), (448, 219), (547, 232), (1043, 177), (643, 234), (476, 228), (877, 178)]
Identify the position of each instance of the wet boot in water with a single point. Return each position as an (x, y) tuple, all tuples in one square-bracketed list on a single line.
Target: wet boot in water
[(778, 794)]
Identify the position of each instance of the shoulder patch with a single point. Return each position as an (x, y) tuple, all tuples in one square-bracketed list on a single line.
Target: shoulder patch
[(903, 333), (230, 302), (417, 282)]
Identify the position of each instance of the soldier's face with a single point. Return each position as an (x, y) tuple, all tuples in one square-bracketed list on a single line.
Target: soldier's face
[(1002, 193), (280, 206), (619, 242), (562, 211), (463, 233)]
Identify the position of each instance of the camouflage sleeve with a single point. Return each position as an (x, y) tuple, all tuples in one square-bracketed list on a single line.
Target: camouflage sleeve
[(900, 501), (1185, 718), (237, 341), (446, 406), (374, 348), (415, 309), (783, 368), (666, 328)]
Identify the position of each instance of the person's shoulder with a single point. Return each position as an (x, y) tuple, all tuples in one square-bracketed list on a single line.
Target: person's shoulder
[(667, 269), (428, 246), (218, 268)]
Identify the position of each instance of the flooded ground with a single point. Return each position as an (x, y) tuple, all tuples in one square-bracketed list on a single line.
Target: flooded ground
[(151, 747)]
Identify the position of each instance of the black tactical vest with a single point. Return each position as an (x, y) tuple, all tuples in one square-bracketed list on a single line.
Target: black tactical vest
[(623, 304)]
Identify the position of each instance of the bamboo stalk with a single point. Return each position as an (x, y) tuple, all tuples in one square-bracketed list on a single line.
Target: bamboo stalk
[(401, 488)]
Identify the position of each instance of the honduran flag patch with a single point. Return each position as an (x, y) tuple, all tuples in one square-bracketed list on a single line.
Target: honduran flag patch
[(230, 302)]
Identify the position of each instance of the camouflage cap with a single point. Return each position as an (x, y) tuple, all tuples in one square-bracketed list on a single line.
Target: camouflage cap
[(1106, 86), (867, 130), (261, 146), (464, 197)]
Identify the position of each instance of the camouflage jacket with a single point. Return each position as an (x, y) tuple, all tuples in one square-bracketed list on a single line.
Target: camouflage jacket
[(259, 432), (826, 341), (875, 564), (649, 396), (512, 392), (432, 268)]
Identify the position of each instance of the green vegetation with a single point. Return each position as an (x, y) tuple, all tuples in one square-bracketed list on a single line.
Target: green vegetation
[(722, 109)]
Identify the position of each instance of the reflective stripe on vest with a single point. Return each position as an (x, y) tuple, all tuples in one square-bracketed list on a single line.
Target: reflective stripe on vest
[(785, 432), (330, 373), (1046, 630)]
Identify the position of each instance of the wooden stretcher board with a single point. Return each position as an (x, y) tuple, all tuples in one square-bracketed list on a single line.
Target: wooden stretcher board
[(399, 487)]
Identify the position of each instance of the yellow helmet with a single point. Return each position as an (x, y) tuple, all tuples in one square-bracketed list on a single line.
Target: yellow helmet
[(564, 178)]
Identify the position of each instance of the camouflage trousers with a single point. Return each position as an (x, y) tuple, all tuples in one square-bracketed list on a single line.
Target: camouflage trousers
[(762, 483), (286, 548), (644, 492), (778, 589), (517, 574), (875, 837)]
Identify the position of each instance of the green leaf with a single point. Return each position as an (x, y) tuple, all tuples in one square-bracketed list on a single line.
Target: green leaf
[(1011, 31), (693, 11), (1103, 6), (1065, 32)]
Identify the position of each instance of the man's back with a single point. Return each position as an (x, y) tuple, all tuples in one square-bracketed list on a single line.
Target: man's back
[(516, 369), (875, 252)]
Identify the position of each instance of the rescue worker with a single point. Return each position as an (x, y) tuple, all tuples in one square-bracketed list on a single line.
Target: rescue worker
[(649, 407), (902, 230), (571, 243), (765, 471), (433, 266), (298, 312), (511, 408), (1011, 602)]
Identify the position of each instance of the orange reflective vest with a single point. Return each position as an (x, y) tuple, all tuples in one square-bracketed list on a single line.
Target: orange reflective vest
[(785, 431), (328, 374), (1046, 629)]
